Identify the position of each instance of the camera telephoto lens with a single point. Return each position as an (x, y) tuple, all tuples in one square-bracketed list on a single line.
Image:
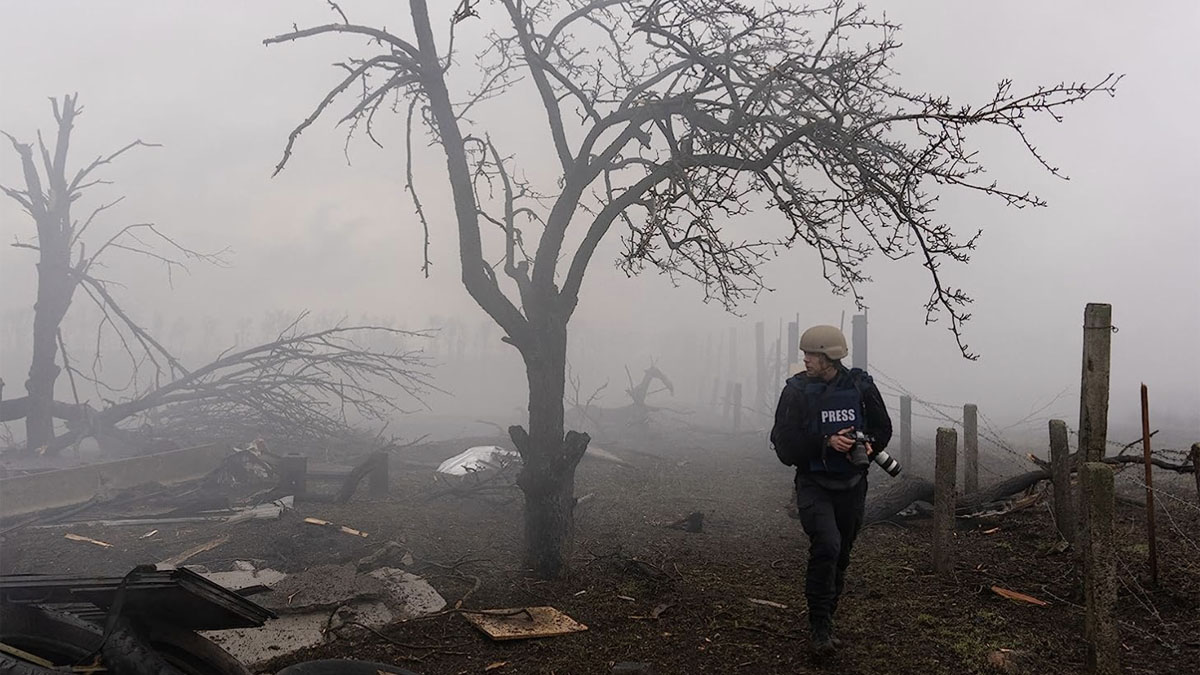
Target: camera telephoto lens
[(887, 462)]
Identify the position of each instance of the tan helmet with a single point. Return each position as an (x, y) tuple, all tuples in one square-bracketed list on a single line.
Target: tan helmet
[(827, 340)]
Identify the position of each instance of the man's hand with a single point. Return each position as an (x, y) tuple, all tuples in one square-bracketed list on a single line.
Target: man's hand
[(842, 441)]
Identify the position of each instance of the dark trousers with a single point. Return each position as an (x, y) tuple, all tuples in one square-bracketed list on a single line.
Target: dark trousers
[(831, 519)]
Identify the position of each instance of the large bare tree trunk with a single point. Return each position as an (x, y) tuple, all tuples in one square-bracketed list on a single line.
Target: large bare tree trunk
[(53, 298), (50, 206), (548, 457)]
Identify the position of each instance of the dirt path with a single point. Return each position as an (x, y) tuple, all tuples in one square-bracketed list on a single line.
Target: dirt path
[(681, 601)]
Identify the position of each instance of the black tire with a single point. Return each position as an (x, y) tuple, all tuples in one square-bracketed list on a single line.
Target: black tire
[(60, 638), (193, 654), (64, 639), (343, 667)]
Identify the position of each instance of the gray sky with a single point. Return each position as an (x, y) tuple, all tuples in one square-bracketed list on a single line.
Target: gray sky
[(343, 239)]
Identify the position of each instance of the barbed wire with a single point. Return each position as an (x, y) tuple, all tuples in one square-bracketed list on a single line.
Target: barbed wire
[(1168, 495), (991, 433)]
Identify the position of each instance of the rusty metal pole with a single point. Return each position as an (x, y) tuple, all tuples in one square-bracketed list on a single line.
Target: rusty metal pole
[(1149, 486)]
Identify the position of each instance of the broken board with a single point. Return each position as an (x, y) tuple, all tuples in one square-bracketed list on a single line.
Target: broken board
[(523, 622)]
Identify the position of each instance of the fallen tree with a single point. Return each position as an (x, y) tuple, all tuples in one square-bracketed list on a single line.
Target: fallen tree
[(298, 388), (634, 416), (898, 495), (68, 262)]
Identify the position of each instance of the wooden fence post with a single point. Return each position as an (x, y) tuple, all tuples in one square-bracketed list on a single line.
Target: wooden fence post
[(1093, 391), (970, 448), (760, 366), (293, 474), (378, 479), (793, 354), (1099, 569), (1196, 468), (858, 339), (906, 431), (944, 500), (737, 406), (1060, 472)]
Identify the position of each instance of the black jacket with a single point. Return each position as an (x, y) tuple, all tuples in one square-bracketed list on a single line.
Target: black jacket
[(794, 442)]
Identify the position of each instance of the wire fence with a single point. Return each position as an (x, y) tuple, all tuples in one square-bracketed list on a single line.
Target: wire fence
[(993, 434)]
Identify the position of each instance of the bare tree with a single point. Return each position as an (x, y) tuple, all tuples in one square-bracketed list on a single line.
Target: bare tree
[(672, 121), (66, 264), (297, 388)]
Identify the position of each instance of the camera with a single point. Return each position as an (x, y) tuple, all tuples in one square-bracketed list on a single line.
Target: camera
[(859, 458)]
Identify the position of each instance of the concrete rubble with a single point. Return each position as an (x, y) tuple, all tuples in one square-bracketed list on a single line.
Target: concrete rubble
[(315, 606)]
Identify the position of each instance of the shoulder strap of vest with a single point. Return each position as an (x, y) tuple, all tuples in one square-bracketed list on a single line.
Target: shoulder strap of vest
[(861, 380)]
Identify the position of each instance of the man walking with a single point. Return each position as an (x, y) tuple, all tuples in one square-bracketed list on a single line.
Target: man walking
[(818, 413)]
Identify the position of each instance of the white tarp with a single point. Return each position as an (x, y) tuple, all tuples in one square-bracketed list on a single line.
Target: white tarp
[(478, 459)]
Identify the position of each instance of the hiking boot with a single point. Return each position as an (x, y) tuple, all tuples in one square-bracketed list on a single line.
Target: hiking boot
[(837, 642), (821, 639)]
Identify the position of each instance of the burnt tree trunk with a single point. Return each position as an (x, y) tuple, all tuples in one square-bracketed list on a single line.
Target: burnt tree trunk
[(50, 207), (548, 457), (53, 299)]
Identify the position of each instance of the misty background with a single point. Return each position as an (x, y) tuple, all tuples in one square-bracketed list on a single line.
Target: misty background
[(341, 239)]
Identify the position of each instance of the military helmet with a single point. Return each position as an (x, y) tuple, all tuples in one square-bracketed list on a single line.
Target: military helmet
[(827, 340)]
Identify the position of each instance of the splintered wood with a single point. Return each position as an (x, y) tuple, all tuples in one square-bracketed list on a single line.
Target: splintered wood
[(1013, 595), (343, 528), (523, 622), (88, 540), (177, 560)]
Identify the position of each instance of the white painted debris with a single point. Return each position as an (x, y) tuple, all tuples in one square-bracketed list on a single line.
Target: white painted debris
[(408, 595), (313, 605), (269, 511), (293, 632), (480, 458), (239, 579)]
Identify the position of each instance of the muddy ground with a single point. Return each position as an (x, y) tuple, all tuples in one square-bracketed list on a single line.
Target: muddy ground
[(680, 600)]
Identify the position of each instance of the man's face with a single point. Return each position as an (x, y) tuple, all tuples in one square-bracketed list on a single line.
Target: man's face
[(815, 364)]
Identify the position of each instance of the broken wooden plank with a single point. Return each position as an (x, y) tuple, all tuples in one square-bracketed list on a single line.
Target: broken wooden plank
[(26, 656), (1014, 595), (343, 528), (768, 603), (89, 540), (523, 622), (177, 560)]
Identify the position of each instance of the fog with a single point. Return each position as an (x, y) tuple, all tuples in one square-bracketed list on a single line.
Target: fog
[(335, 234)]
